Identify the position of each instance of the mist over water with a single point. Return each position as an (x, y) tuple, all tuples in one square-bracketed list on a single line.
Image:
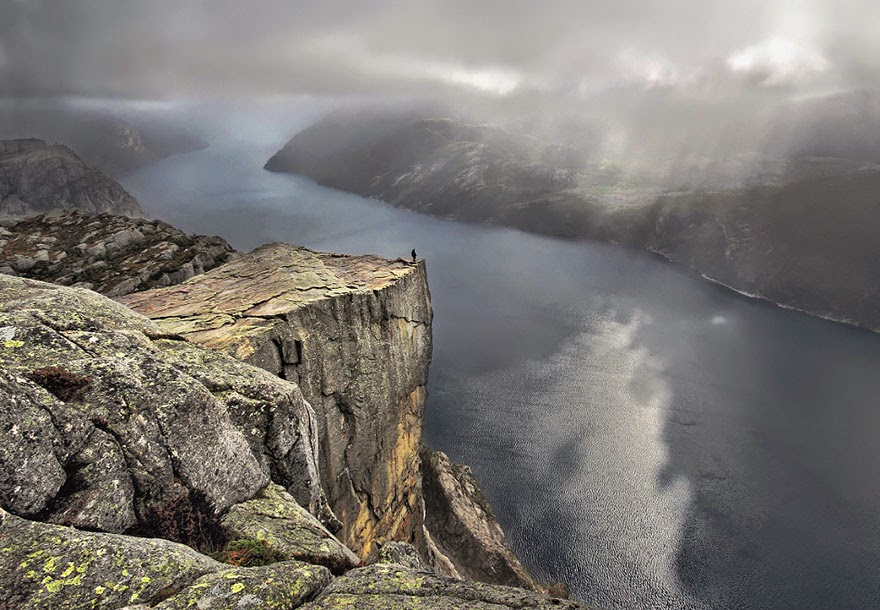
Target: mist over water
[(651, 439)]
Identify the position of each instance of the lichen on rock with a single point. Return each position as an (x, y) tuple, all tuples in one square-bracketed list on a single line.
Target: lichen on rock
[(274, 518), (46, 566), (163, 432), (281, 585), (390, 586)]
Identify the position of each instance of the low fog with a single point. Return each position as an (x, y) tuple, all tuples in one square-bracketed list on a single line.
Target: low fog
[(620, 79)]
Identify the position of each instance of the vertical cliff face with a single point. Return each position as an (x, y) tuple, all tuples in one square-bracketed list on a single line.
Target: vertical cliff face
[(112, 425), (355, 334)]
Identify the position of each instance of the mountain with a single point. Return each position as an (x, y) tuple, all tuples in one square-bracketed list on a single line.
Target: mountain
[(795, 230), (113, 142), (36, 177), (434, 165)]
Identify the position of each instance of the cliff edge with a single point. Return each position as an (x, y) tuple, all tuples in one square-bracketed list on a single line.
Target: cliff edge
[(354, 332), (115, 426)]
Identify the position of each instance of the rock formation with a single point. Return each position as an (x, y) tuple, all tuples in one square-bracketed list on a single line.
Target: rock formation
[(383, 586), (113, 255), (113, 141), (355, 334), (113, 425), (43, 567), (36, 178), (100, 413), (463, 526)]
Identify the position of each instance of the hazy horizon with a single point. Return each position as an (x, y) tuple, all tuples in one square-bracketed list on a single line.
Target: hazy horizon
[(625, 78)]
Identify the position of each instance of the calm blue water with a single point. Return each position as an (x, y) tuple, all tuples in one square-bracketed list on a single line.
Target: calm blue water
[(651, 439)]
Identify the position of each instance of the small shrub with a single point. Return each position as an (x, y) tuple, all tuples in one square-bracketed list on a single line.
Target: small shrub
[(62, 384), (248, 553), (189, 519)]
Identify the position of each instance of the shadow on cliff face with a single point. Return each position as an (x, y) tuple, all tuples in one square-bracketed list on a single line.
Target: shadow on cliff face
[(783, 493)]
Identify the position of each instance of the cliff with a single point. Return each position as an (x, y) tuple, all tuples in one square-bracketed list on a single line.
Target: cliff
[(113, 425), (461, 522), (795, 231), (113, 255), (36, 178), (355, 334)]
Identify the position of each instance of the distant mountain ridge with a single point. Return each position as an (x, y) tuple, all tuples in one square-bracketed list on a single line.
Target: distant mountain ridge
[(439, 166), (796, 231), (36, 177), (113, 142)]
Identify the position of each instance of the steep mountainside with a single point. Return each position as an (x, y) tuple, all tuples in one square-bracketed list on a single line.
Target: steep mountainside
[(36, 178), (433, 165), (113, 142), (112, 426), (801, 235), (355, 334), (113, 255)]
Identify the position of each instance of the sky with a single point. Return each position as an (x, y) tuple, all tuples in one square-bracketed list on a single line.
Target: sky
[(495, 48)]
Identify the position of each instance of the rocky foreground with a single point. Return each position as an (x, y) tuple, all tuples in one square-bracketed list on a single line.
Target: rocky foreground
[(110, 254), (36, 177), (796, 231), (354, 333), (136, 460)]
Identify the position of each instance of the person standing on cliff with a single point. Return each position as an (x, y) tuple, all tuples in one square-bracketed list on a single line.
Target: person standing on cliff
[(414, 254)]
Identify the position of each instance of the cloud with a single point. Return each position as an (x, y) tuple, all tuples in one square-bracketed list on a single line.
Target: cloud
[(778, 61), (557, 48)]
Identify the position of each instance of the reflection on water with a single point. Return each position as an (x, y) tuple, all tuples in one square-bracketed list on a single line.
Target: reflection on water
[(653, 440)]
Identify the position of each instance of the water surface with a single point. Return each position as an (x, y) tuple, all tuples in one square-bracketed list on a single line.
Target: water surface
[(651, 439)]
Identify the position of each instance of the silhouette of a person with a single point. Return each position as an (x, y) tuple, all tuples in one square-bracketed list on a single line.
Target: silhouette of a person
[(414, 254)]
